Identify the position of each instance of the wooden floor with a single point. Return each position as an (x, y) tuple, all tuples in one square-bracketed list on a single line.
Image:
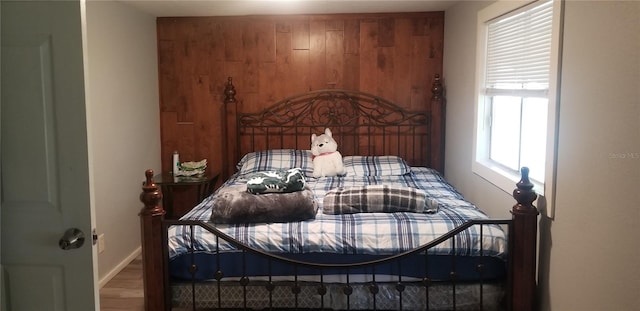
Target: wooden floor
[(124, 291)]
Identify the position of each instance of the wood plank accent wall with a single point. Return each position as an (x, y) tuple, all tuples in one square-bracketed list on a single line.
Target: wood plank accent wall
[(392, 55)]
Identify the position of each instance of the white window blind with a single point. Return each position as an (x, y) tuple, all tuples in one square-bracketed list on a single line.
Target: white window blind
[(518, 51)]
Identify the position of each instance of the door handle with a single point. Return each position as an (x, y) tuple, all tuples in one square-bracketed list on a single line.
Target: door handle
[(72, 238)]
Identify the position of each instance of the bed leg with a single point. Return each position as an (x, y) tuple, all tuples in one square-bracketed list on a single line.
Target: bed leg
[(151, 217), (525, 227)]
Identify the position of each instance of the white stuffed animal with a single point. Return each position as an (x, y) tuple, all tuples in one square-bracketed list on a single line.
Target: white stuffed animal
[(327, 161)]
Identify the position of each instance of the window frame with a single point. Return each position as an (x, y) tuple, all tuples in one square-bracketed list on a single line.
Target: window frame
[(482, 165)]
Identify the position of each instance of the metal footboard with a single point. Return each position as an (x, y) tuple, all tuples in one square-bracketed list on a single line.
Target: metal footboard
[(312, 285)]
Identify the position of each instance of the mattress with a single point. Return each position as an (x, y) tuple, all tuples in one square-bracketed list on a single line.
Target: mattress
[(345, 238)]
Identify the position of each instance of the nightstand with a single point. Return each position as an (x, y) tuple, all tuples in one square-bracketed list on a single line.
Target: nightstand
[(203, 185)]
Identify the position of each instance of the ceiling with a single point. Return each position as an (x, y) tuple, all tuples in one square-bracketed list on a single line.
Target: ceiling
[(161, 8)]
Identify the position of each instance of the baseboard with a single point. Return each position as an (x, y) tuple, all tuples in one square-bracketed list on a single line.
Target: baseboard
[(120, 267)]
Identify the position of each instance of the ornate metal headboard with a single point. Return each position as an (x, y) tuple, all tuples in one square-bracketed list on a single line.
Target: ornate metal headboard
[(362, 124)]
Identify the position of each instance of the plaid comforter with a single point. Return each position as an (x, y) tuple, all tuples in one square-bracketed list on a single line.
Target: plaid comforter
[(357, 233)]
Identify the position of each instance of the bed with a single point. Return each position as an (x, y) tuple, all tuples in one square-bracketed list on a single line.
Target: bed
[(423, 248)]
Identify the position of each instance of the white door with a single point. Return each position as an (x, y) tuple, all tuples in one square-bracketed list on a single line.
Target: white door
[(45, 166)]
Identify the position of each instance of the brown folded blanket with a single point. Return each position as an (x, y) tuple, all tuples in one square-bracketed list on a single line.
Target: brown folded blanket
[(233, 204)]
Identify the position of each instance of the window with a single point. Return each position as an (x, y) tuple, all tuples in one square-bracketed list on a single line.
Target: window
[(518, 54)]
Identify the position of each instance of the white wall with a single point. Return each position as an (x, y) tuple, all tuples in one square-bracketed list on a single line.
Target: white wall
[(598, 209), (589, 254), (459, 80), (124, 123)]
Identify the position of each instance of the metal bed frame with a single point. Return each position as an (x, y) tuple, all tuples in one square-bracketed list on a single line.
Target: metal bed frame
[(389, 129)]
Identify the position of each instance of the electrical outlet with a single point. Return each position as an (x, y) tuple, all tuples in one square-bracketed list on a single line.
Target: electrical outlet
[(101, 243)]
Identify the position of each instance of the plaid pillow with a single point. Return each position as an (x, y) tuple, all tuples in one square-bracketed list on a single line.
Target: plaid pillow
[(377, 199), (375, 166), (276, 159)]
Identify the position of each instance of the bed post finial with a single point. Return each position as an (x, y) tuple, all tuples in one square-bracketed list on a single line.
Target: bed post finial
[(151, 196), (151, 217), (436, 88), (229, 92), (524, 193), (525, 237), (438, 116)]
